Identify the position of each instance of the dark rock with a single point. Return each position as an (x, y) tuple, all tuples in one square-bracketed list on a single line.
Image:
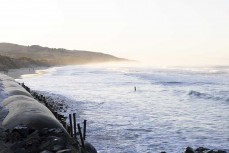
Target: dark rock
[(89, 148), (51, 130), (46, 151), (13, 137), (44, 145), (56, 148), (209, 151), (201, 149), (53, 143), (221, 151), (32, 143), (4, 135), (43, 132), (17, 134), (7, 151), (7, 130), (206, 150), (17, 145), (188, 150), (64, 151), (55, 140), (30, 131), (24, 140), (23, 131), (215, 151), (20, 150), (57, 130)]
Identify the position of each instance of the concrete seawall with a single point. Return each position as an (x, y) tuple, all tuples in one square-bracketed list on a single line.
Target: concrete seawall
[(26, 125), (22, 108)]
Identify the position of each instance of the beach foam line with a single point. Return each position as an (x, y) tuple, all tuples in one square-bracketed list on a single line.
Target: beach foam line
[(39, 72), (36, 74)]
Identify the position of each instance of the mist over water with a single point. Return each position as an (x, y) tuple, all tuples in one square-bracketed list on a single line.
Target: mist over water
[(172, 108)]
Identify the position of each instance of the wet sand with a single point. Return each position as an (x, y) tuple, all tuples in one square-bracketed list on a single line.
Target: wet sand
[(25, 72)]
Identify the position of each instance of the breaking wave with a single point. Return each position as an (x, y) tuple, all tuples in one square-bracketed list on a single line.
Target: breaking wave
[(202, 95)]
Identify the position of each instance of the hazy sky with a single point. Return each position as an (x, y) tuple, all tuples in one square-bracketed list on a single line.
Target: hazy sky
[(162, 32)]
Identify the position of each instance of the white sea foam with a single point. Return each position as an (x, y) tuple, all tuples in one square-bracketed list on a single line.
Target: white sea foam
[(172, 108)]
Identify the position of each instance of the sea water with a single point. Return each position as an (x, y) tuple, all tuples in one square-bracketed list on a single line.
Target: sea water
[(172, 108)]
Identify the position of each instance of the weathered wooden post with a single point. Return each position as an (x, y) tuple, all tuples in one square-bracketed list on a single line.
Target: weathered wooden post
[(74, 122), (81, 136), (70, 119), (84, 129)]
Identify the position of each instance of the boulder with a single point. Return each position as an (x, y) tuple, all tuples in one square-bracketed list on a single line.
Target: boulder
[(188, 150)]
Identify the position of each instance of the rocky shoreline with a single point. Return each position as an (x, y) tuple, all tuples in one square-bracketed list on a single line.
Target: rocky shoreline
[(27, 140), (202, 150)]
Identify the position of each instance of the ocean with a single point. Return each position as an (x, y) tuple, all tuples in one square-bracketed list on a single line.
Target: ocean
[(171, 109)]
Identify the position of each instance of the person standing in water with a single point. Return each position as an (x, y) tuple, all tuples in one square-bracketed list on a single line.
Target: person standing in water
[(135, 89)]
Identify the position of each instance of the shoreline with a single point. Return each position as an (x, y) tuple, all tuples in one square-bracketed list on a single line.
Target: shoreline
[(44, 132), (26, 72)]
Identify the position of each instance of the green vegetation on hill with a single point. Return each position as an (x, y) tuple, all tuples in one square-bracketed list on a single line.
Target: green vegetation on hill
[(54, 56), (7, 63)]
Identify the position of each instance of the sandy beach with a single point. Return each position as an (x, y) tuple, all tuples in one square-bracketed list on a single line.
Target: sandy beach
[(25, 72)]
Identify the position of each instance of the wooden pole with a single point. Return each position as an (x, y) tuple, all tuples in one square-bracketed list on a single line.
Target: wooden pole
[(70, 119), (84, 129), (81, 137), (74, 122)]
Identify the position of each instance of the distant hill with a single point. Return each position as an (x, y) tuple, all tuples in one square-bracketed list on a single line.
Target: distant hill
[(54, 56), (7, 63)]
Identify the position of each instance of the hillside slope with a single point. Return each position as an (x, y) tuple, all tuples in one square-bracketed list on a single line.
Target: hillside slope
[(7, 63), (55, 56)]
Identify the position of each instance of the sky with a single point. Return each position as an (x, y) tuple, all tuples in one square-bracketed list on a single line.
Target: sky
[(156, 32)]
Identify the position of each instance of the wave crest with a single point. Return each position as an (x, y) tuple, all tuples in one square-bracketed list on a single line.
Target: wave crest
[(201, 95)]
